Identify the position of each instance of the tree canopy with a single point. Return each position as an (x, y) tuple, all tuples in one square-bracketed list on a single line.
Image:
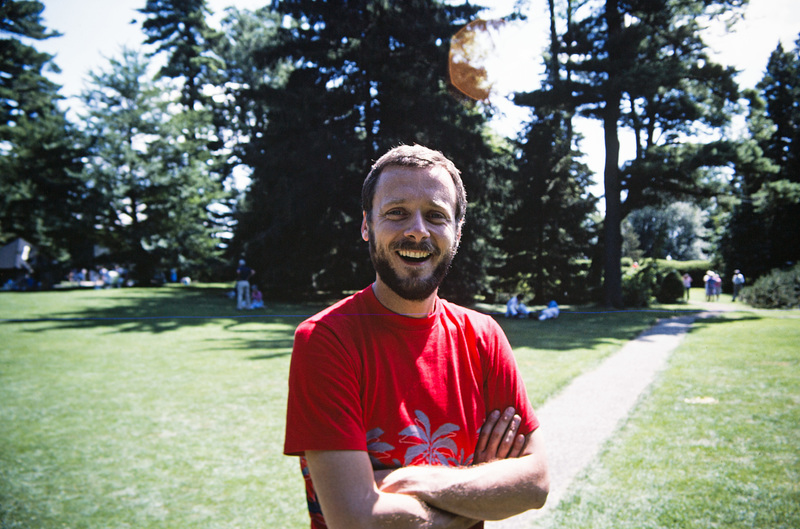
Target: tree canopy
[(301, 96), (641, 65), (39, 156)]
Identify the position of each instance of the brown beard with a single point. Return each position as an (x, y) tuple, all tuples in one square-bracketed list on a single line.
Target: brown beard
[(412, 288)]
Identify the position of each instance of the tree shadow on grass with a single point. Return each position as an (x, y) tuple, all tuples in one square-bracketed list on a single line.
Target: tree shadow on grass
[(724, 318), (583, 329), (160, 310)]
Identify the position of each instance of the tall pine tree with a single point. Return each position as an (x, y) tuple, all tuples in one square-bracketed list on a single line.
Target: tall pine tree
[(41, 195), (642, 65), (761, 233), (156, 201), (366, 76)]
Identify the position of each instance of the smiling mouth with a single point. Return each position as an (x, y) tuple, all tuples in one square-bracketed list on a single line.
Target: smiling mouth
[(414, 256)]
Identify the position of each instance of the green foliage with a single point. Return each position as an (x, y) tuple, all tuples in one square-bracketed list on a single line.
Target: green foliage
[(762, 227), (642, 66), (639, 285), (179, 29), (155, 196), (670, 287), (696, 269), (780, 289), (320, 123), (548, 226), (41, 197), (660, 279)]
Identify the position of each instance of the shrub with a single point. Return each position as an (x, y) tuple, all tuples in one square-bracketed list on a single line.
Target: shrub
[(780, 289), (696, 269), (670, 287), (638, 286), (652, 279)]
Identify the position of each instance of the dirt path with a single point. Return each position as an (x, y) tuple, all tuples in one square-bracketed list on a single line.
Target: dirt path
[(577, 422)]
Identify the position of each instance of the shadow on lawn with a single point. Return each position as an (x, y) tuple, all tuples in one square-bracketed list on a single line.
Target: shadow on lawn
[(576, 329), (161, 310), (725, 318)]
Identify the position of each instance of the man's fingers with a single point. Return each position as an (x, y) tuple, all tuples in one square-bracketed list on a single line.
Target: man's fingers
[(516, 448), (498, 436), (509, 437), (486, 431)]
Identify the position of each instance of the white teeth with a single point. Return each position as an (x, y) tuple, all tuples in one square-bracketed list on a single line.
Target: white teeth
[(413, 255)]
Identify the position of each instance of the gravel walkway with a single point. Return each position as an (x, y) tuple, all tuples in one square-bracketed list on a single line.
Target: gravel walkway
[(577, 422)]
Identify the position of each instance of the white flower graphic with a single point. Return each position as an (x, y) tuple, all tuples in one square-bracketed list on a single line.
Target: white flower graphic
[(437, 448)]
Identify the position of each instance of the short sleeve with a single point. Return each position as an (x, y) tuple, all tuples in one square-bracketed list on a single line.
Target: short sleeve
[(503, 382), (323, 409)]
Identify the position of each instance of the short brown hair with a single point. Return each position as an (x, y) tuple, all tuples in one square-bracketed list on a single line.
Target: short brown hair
[(413, 156)]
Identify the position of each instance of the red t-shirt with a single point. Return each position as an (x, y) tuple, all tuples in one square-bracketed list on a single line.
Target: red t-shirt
[(409, 391)]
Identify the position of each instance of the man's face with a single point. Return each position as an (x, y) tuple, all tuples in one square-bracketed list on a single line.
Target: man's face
[(413, 234)]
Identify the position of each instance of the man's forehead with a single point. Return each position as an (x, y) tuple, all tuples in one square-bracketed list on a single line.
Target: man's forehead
[(399, 183)]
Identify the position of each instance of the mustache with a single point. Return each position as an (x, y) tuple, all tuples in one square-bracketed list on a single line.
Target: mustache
[(424, 246)]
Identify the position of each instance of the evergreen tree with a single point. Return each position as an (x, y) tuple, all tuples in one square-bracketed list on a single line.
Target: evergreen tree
[(40, 194), (179, 29), (642, 65), (548, 228), (760, 234), (156, 200), (365, 76)]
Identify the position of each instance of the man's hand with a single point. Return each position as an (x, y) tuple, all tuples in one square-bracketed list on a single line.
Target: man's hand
[(499, 437)]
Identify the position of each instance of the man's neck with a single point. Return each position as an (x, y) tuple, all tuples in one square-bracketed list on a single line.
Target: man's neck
[(413, 309)]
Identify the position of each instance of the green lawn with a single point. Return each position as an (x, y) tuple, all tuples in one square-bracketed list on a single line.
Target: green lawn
[(715, 443), (165, 407)]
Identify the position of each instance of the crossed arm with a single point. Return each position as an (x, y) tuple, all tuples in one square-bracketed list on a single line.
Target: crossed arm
[(509, 477)]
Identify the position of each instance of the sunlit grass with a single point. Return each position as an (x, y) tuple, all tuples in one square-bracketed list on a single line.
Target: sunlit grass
[(165, 407), (715, 444)]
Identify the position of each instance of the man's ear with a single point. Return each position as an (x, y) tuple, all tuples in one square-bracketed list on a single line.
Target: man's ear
[(364, 227), (459, 230)]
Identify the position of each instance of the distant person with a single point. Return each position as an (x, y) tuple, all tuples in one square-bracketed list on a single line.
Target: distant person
[(515, 308), (738, 283), (243, 275), (708, 281), (551, 312), (717, 286), (258, 298), (408, 410), (687, 285)]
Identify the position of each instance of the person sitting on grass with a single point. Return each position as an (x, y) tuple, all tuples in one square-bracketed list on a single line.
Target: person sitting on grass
[(257, 299), (515, 308), (550, 312)]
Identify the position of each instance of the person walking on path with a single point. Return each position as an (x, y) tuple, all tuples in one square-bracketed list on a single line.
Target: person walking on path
[(738, 283), (687, 285)]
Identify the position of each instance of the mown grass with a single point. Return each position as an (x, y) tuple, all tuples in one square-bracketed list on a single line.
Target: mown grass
[(715, 442), (165, 407)]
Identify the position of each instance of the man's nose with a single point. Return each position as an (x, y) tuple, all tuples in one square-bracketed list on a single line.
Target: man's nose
[(417, 228)]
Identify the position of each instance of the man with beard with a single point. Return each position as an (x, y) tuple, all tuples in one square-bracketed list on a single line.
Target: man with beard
[(408, 410)]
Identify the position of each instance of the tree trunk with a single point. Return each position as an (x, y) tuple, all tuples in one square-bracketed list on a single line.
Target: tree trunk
[(612, 284)]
